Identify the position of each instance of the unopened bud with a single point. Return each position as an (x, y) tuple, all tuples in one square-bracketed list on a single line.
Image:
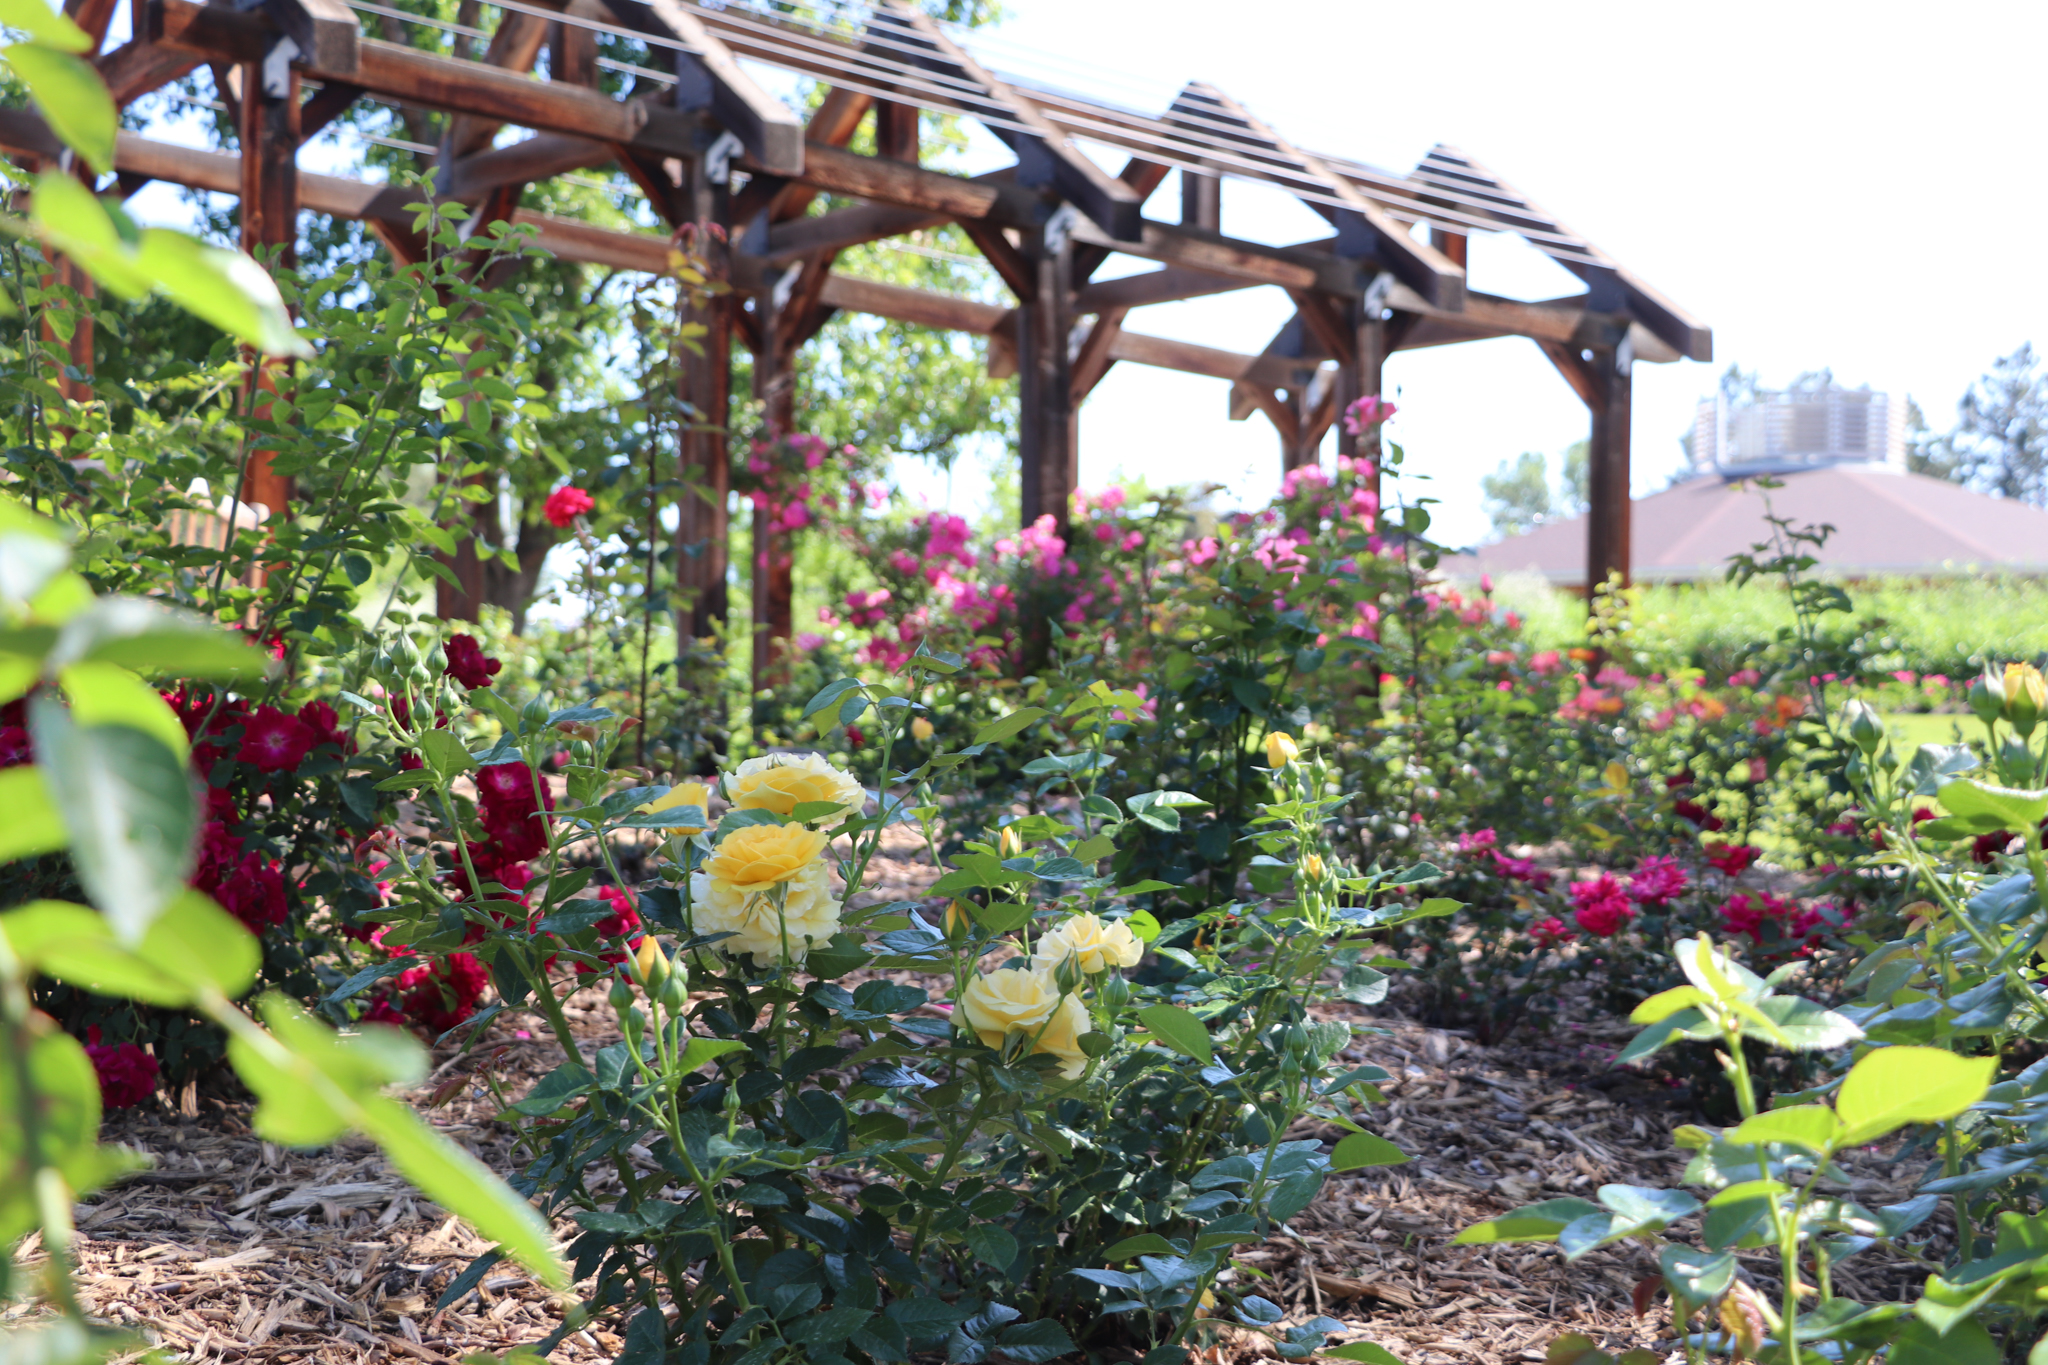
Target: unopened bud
[(404, 653), (1866, 730), (1114, 992), (959, 921), (1009, 843), (621, 997), (1987, 696), (1281, 749), (580, 752), (1312, 866), (1067, 976), (650, 963), (2026, 696), (533, 717), (674, 993)]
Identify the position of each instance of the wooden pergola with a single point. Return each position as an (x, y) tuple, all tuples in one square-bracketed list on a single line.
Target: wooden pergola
[(707, 144)]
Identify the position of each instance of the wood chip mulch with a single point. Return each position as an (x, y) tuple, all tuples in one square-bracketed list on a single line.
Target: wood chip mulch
[(233, 1249)]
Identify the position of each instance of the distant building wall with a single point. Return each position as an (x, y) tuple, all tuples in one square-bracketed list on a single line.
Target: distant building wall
[(1798, 430)]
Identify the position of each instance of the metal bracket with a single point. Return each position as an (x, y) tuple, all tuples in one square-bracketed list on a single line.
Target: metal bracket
[(1377, 293), (277, 69), (1059, 228), (783, 286), (718, 158)]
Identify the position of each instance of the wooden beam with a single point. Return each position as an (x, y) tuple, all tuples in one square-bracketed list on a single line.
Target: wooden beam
[(1046, 156), (1325, 317), (844, 228), (1252, 262), (710, 79), (135, 68), (1093, 360), (703, 534), (427, 79), (515, 46), (1144, 177), (572, 48), (536, 158), (325, 105), (93, 16), (896, 131), (835, 171), (1577, 371), (833, 124), (1169, 285), (1363, 228), (1201, 200), (269, 176), (1187, 357), (920, 306), (1020, 274)]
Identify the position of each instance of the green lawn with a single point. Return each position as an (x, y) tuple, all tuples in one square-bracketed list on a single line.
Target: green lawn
[(1910, 730)]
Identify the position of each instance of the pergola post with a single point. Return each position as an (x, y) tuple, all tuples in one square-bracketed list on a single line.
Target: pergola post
[(1048, 449), (703, 529), (1607, 467), (269, 130), (774, 595), (1365, 377)]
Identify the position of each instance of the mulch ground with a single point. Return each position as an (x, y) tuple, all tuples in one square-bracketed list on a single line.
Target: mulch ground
[(233, 1249)]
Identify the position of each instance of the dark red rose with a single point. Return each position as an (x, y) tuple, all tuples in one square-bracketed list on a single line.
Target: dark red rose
[(127, 1073), (320, 718), (1698, 814), (623, 920), (1732, 859), (15, 748), (275, 741), (467, 664)]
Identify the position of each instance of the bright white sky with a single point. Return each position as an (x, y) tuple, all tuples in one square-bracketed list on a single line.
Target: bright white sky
[(1824, 185)]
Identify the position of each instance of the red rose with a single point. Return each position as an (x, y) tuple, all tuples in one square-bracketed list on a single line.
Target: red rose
[(1732, 859), (564, 505), (127, 1073), (15, 748), (467, 664), (320, 718), (1698, 814), (623, 920), (1602, 907), (275, 741)]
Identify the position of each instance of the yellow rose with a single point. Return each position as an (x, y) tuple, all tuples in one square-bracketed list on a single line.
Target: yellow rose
[(1281, 749), (782, 782), (807, 917), (682, 794), (760, 856), (921, 729), (1006, 1001), (1097, 946)]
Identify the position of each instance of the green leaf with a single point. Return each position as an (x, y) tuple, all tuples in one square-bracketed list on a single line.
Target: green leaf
[(1894, 1086), (1812, 1127), (73, 98), (1664, 1004), (1697, 1276), (151, 638), (1972, 799), (64, 214), (703, 1050), (1530, 1223), (458, 1182), (1919, 1344), (993, 1245), (1143, 924), (45, 25), (1361, 1350), (65, 1097), (33, 824), (1365, 1149), (1144, 1244), (998, 730), (128, 805), (1179, 1030), (107, 694), (445, 754), (829, 693), (226, 288)]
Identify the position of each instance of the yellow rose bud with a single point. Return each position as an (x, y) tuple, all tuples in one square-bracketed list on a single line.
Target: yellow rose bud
[(959, 920), (2026, 695), (680, 796), (1005, 1001), (921, 729), (1281, 749), (650, 963), (761, 856), (1313, 866), (1009, 843), (782, 782), (1093, 945)]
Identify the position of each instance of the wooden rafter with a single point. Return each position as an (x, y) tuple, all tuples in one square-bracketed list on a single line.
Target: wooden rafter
[(710, 81), (1096, 355), (1368, 228), (1046, 156)]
